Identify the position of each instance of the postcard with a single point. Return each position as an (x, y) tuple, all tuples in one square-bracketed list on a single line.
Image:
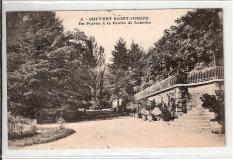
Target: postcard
[(115, 79)]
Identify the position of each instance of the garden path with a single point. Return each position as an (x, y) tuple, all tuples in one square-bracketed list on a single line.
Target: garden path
[(128, 132)]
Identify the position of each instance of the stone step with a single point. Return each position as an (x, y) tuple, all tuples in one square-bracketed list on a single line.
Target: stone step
[(196, 102), (195, 117), (198, 111), (198, 115), (196, 130), (193, 120), (194, 126), (198, 108), (197, 125), (196, 105)]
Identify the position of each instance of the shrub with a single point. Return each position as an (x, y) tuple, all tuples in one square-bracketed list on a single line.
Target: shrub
[(210, 102), (19, 127), (61, 122), (50, 115), (131, 107), (166, 114), (48, 135), (144, 85), (136, 89)]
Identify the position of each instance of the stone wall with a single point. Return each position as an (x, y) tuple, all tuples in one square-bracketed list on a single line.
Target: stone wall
[(188, 95), (207, 88), (163, 96)]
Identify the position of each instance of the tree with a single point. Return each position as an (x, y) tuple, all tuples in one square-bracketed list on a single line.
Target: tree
[(57, 73), (27, 61), (197, 37), (97, 77), (135, 62), (126, 71)]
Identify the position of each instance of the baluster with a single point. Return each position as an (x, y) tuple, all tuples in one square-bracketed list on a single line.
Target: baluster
[(219, 73), (209, 74), (195, 79), (203, 75), (199, 76), (213, 73), (222, 72), (190, 78), (216, 72), (169, 82), (173, 80), (187, 78)]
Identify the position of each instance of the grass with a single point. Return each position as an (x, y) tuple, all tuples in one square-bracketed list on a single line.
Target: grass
[(46, 135)]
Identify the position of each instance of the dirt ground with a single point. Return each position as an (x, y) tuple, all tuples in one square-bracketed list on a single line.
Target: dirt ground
[(128, 132)]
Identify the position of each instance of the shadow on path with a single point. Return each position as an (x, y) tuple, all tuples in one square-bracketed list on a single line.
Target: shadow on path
[(92, 115)]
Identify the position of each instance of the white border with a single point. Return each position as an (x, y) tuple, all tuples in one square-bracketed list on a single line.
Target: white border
[(218, 152)]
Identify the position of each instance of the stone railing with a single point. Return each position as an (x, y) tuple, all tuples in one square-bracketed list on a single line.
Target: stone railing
[(206, 74), (166, 83), (194, 76)]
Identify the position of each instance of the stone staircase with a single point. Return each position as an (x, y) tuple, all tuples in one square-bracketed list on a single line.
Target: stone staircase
[(197, 119)]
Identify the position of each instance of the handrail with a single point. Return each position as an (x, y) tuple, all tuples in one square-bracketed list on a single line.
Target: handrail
[(166, 83), (206, 74), (194, 76)]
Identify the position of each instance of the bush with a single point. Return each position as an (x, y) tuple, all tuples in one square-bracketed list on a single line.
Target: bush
[(19, 127), (132, 107), (47, 135), (51, 115), (61, 122), (166, 114), (144, 85), (210, 102), (136, 89)]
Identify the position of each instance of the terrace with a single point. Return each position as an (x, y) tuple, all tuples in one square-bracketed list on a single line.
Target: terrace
[(191, 78)]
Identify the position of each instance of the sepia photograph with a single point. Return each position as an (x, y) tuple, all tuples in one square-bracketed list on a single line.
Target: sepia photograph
[(115, 79)]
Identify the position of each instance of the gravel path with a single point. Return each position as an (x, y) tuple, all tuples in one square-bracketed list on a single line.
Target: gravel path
[(127, 132)]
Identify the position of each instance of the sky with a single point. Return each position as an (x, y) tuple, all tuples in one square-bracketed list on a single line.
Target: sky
[(107, 35)]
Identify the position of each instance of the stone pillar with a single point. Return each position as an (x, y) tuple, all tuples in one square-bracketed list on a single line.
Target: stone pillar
[(181, 100)]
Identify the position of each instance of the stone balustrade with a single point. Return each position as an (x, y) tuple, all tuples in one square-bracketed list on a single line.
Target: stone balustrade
[(206, 74), (166, 83), (194, 76)]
